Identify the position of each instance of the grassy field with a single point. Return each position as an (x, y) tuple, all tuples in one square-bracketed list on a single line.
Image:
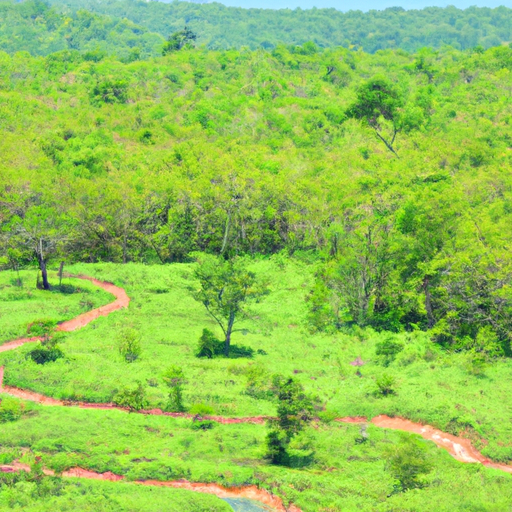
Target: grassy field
[(92, 496), (342, 475), (431, 386), (21, 302)]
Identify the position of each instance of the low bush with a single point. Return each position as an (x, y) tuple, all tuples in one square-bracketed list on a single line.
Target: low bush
[(209, 346), (11, 409), (385, 385), (129, 345), (388, 349), (43, 327), (45, 354), (133, 398), (202, 409)]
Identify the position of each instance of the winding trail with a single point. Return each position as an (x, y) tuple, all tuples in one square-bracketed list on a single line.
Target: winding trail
[(122, 301), (251, 492), (460, 448)]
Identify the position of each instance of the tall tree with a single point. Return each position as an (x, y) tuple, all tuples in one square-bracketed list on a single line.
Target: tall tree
[(226, 288), (379, 101)]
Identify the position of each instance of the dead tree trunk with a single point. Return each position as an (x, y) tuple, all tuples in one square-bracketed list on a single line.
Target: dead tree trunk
[(42, 265)]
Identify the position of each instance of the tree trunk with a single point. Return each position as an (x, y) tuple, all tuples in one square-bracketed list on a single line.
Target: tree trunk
[(42, 265), (231, 321), (428, 304), (44, 273)]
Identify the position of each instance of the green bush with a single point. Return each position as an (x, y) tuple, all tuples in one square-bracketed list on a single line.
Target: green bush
[(129, 345), (388, 349), (175, 379), (385, 384), (44, 327), (408, 461), (45, 354), (209, 346), (10, 410), (202, 424), (202, 410), (132, 398)]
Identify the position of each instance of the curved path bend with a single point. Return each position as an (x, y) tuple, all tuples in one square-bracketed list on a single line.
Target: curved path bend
[(122, 301), (251, 492), (460, 448)]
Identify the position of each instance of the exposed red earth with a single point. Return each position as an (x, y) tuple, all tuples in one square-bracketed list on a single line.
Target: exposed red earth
[(460, 448), (251, 492), (122, 301)]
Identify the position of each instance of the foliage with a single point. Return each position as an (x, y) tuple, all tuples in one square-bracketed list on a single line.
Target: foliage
[(175, 380), (294, 413), (385, 384), (226, 288), (209, 346), (388, 350), (201, 409), (378, 101), (133, 398), (45, 354), (10, 409), (224, 27), (179, 40), (408, 462), (44, 327), (129, 344)]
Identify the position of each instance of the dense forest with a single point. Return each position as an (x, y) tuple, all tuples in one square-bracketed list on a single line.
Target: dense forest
[(133, 29), (390, 168)]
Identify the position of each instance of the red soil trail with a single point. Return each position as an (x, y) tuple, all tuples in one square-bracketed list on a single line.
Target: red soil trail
[(122, 301), (251, 492), (460, 448)]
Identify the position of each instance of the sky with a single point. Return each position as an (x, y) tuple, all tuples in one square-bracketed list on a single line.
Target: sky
[(363, 5)]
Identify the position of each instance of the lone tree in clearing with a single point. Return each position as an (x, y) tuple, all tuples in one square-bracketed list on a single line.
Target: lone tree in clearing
[(294, 414), (226, 288)]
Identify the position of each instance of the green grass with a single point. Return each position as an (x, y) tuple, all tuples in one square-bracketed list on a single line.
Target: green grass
[(432, 386), (21, 302), (92, 496), (344, 475)]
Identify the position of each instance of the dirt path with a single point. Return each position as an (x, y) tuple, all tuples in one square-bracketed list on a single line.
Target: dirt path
[(460, 448), (122, 301), (251, 492)]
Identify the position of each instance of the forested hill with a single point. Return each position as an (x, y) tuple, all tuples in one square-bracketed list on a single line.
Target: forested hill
[(397, 165), (133, 29), (35, 27), (218, 26)]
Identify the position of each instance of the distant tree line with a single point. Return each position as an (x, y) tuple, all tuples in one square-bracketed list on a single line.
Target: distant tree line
[(134, 30)]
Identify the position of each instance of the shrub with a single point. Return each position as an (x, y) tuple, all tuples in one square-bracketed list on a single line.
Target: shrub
[(202, 424), (129, 345), (294, 413), (11, 410), (407, 461), (209, 346), (45, 354), (202, 409), (44, 327), (175, 379), (135, 399), (388, 350), (386, 384), (110, 91)]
